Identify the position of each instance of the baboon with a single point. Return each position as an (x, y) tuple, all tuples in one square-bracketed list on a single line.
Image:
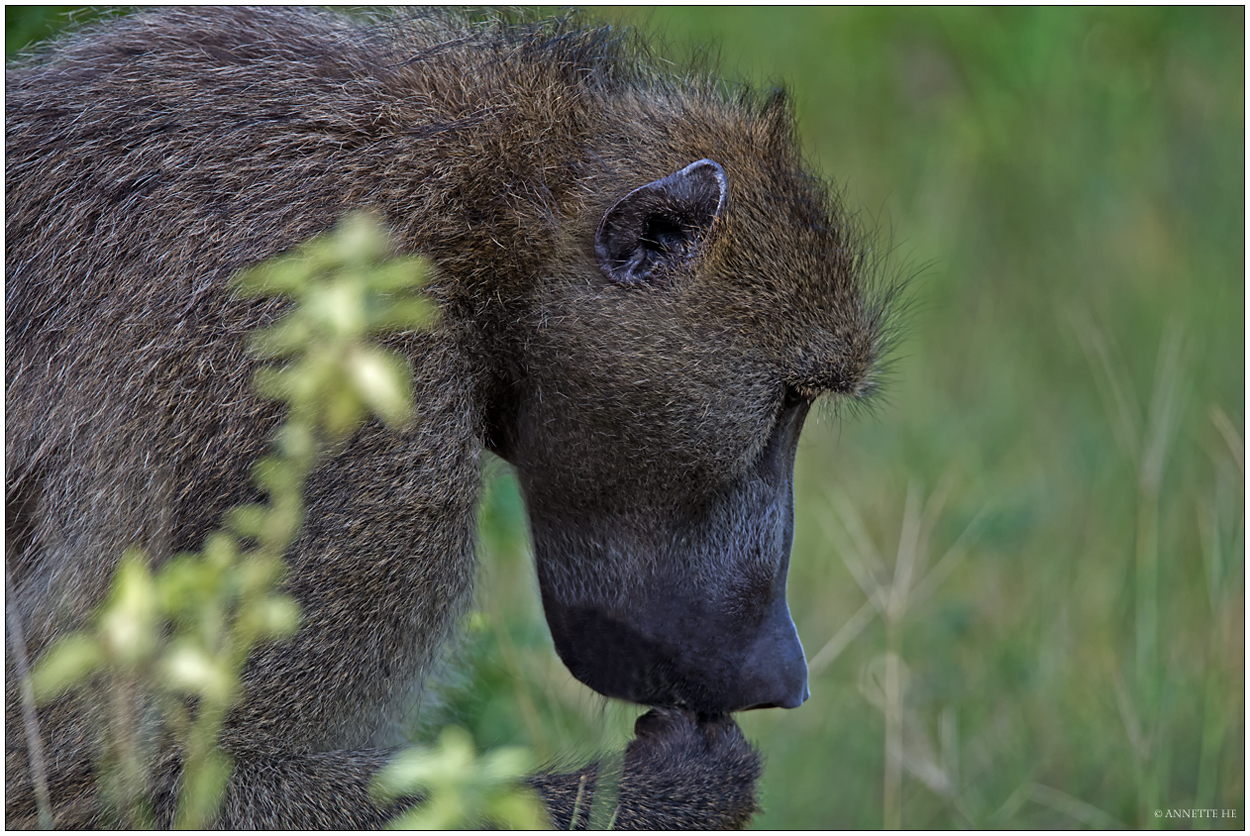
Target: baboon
[(641, 293)]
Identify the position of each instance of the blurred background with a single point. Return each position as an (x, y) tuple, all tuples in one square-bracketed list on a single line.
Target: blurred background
[(1020, 577)]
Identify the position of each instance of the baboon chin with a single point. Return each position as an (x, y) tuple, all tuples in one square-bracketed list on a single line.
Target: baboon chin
[(641, 292)]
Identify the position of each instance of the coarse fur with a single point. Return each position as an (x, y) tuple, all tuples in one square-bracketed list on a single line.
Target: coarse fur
[(151, 157)]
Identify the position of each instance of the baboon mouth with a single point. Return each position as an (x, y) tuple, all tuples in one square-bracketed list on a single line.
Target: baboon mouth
[(702, 670), (789, 703)]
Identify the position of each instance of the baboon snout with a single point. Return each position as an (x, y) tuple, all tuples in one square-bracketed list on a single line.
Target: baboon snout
[(675, 650)]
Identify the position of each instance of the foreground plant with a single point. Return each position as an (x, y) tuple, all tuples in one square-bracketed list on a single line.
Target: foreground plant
[(166, 650)]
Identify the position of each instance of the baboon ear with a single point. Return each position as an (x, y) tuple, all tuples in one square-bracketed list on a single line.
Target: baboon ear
[(658, 227)]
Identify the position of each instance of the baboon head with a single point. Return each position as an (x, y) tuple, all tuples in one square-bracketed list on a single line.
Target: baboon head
[(666, 378)]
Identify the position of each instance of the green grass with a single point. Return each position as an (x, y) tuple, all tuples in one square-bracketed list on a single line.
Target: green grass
[(1060, 450)]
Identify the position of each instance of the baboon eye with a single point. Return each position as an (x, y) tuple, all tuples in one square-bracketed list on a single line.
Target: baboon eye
[(792, 397)]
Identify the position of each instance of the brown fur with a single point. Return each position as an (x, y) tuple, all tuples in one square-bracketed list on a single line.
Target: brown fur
[(150, 158)]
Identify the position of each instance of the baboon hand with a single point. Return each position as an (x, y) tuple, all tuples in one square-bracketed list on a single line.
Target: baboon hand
[(669, 732), (682, 771), (677, 754)]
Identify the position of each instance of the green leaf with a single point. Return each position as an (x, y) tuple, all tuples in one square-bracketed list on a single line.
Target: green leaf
[(185, 584), (128, 623), (196, 671), (342, 414), (277, 616), (359, 239), (446, 812), (406, 315), (459, 789), (289, 336), (247, 520), (338, 309), (399, 274), (517, 809), (282, 276), (384, 383), (296, 441), (272, 383), (260, 575), (276, 475), (65, 664), (202, 791)]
